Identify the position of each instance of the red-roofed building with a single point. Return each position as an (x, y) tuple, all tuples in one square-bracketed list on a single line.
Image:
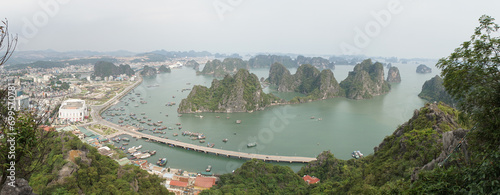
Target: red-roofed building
[(178, 184), (310, 180), (204, 182)]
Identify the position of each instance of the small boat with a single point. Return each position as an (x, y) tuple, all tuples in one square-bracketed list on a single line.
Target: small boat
[(175, 134), (209, 168), (253, 144), (126, 139), (178, 124), (238, 121), (152, 152), (202, 141), (312, 117), (138, 147), (357, 154), (210, 145), (162, 162), (225, 140), (125, 144)]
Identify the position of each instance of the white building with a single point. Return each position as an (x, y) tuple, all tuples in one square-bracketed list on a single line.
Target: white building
[(73, 110), (22, 102)]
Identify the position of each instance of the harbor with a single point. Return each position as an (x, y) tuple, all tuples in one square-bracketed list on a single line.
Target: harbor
[(277, 131)]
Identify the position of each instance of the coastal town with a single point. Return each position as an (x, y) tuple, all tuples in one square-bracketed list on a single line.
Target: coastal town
[(72, 91)]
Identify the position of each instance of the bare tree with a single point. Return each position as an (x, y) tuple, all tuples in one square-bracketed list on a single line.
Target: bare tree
[(8, 42)]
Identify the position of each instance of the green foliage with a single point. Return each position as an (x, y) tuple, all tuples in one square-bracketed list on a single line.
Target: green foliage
[(433, 90), (365, 81), (91, 173), (243, 88), (472, 76), (258, 177)]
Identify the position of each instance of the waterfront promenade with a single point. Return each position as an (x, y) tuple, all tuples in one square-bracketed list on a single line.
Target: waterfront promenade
[(132, 131)]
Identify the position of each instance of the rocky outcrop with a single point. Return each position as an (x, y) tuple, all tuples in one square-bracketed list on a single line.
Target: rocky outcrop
[(106, 69), (193, 64), (434, 91), (164, 69), (219, 68), (393, 75), (264, 61), (239, 93), (307, 80), (318, 62), (21, 187), (423, 69), (148, 71), (367, 80)]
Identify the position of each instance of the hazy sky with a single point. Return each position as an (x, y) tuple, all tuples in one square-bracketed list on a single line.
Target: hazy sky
[(401, 28)]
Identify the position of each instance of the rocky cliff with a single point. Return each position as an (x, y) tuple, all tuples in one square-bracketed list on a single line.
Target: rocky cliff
[(433, 90), (264, 61), (193, 64), (393, 75), (307, 80), (219, 68), (148, 71), (318, 62), (164, 69), (106, 69), (423, 69), (239, 93), (367, 80)]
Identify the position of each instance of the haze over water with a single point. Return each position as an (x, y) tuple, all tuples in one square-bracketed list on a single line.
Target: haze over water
[(346, 124)]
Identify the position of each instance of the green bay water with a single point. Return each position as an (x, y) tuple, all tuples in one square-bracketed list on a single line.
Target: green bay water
[(340, 125)]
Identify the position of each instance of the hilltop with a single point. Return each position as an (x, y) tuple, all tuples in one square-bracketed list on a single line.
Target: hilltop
[(239, 93), (74, 167), (307, 80), (219, 68), (106, 69), (365, 81)]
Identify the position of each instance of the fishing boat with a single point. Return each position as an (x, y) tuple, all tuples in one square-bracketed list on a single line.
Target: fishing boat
[(162, 162), (143, 155), (209, 168), (253, 144)]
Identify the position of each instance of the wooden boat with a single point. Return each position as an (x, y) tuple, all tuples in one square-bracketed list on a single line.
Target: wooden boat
[(253, 144), (162, 162)]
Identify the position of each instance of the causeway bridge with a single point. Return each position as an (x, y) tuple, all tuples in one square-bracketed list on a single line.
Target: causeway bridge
[(215, 151), (132, 131)]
